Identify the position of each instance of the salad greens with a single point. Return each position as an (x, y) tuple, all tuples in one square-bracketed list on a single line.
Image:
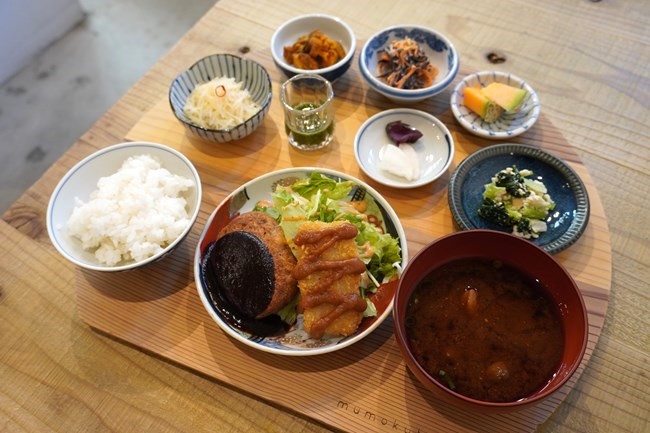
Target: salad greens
[(511, 199), (320, 198)]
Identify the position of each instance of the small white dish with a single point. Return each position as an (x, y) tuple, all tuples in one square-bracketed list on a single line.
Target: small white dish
[(435, 149), (335, 28), (509, 124)]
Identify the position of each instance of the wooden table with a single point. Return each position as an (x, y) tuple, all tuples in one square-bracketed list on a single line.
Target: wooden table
[(587, 61)]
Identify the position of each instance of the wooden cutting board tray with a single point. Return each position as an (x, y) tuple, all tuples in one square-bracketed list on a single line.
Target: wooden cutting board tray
[(365, 387)]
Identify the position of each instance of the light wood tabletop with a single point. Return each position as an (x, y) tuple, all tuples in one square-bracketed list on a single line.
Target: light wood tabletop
[(78, 355)]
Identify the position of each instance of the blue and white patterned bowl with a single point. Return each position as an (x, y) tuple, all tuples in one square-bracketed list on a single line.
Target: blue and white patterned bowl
[(509, 124), (439, 50), (255, 78), (296, 342), (335, 28)]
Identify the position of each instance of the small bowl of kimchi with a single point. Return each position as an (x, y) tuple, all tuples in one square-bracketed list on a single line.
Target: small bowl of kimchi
[(408, 64), (314, 44)]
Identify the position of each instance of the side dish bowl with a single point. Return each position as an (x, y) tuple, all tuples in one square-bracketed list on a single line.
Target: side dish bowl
[(333, 27), (254, 77), (295, 341), (509, 124), (501, 249), (81, 181), (434, 150), (439, 50), (568, 221)]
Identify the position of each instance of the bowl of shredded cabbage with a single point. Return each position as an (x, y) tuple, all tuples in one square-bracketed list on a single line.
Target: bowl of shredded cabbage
[(221, 97)]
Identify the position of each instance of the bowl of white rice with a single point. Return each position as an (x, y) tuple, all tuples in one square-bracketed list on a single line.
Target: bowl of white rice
[(221, 97), (124, 206)]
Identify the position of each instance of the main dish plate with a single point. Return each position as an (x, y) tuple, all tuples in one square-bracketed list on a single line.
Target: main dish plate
[(434, 150), (567, 221), (295, 342)]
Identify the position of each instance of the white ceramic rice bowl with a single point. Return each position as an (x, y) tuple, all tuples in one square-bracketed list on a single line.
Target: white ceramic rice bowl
[(81, 181)]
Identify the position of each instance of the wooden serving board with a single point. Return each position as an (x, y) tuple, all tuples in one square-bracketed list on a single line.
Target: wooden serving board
[(365, 387)]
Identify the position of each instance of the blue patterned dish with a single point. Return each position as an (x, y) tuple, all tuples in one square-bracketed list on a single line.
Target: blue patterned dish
[(569, 218), (508, 125), (438, 49), (255, 78), (295, 342)]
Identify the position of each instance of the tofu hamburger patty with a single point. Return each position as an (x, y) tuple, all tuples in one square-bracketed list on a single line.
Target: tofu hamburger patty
[(253, 265)]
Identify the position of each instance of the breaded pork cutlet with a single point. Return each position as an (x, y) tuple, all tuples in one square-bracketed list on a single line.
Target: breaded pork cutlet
[(328, 273)]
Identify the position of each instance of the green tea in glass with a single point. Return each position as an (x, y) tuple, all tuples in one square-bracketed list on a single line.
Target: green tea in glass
[(308, 111)]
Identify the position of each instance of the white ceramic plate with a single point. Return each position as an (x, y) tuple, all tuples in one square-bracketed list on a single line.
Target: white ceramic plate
[(435, 150), (508, 125), (295, 341)]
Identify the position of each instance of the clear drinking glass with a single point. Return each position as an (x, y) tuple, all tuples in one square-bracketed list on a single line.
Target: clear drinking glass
[(308, 111)]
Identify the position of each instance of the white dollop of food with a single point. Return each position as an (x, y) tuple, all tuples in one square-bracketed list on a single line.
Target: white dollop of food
[(400, 160)]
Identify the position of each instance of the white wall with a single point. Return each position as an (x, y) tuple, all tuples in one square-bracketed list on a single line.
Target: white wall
[(28, 26)]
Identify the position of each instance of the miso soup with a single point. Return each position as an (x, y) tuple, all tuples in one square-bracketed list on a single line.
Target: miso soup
[(485, 330)]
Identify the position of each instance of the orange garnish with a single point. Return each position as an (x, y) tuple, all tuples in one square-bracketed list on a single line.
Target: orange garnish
[(220, 91)]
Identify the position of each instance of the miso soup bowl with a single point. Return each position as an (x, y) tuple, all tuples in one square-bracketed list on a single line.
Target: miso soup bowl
[(524, 256)]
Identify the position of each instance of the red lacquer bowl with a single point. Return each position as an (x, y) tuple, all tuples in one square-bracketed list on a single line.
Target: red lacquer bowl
[(526, 257)]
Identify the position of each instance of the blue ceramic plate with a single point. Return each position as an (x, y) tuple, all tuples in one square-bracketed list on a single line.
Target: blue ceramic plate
[(569, 218)]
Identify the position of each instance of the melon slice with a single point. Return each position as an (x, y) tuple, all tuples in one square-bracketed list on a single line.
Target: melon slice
[(509, 98), (480, 104)]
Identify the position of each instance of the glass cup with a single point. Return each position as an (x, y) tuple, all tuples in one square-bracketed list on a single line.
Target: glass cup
[(308, 111)]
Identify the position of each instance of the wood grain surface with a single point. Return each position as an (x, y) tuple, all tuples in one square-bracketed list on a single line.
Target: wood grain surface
[(587, 61), (364, 388)]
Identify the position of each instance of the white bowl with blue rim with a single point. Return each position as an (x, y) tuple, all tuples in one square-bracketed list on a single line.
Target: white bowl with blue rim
[(508, 125), (436, 46), (434, 150), (254, 77), (333, 27), (80, 182)]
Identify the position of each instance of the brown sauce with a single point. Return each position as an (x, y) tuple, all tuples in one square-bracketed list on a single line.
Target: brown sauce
[(339, 267), (316, 242), (344, 303), (485, 330)]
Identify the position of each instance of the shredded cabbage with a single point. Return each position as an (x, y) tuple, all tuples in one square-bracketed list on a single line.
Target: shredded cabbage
[(222, 103), (320, 198)]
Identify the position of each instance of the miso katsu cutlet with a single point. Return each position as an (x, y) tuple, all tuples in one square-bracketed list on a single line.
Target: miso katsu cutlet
[(328, 273)]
